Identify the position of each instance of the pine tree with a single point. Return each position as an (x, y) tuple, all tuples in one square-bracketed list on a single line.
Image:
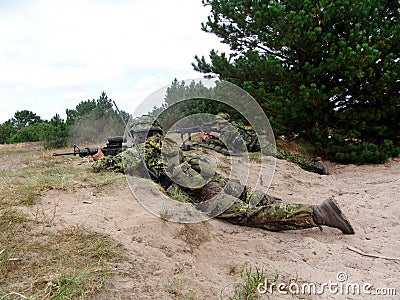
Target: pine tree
[(187, 99), (94, 120), (324, 70)]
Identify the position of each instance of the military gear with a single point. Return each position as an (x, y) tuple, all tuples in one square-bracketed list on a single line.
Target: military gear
[(248, 135), (320, 167), (239, 137), (235, 136), (222, 118), (305, 162), (145, 123), (231, 139), (99, 154), (217, 196), (113, 147), (328, 213)]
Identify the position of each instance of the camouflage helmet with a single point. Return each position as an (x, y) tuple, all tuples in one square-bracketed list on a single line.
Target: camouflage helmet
[(222, 118), (145, 123)]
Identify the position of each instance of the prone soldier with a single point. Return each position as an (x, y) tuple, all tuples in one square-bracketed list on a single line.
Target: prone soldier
[(269, 213), (242, 138)]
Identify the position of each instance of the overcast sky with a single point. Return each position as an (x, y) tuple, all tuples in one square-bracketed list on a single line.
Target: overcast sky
[(55, 54)]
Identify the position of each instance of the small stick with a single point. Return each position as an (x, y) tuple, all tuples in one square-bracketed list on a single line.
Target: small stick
[(371, 255)]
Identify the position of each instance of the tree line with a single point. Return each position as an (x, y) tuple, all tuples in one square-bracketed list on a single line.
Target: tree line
[(90, 122)]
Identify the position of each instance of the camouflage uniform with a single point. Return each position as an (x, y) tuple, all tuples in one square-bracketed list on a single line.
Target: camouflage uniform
[(240, 138), (249, 136), (270, 213), (230, 136), (305, 162)]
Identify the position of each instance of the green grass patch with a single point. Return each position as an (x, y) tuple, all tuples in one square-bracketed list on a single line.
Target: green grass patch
[(255, 283), (247, 288), (255, 157), (23, 179), (72, 263)]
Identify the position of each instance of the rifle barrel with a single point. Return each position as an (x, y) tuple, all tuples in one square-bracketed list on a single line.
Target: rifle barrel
[(65, 153), (80, 152)]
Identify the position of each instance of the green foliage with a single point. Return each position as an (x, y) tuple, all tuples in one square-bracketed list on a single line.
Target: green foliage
[(251, 280), (25, 126), (31, 133), (82, 109), (25, 118), (94, 120), (313, 72), (56, 134), (90, 121), (184, 99), (7, 130), (188, 99), (364, 152)]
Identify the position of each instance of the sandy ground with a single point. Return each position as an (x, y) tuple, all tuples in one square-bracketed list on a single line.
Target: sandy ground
[(203, 261)]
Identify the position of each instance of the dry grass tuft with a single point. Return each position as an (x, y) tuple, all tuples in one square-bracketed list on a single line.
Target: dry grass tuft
[(68, 264), (24, 175), (48, 264)]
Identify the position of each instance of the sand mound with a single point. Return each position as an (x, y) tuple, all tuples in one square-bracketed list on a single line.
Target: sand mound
[(204, 260)]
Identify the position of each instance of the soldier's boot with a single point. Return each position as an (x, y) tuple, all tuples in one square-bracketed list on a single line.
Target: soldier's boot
[(320, 167), (329, 214)]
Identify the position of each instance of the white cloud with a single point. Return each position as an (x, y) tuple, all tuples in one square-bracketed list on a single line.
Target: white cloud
[(54, 54)]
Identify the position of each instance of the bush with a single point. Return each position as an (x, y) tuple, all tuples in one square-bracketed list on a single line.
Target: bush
[(364, 152), (30, 133)]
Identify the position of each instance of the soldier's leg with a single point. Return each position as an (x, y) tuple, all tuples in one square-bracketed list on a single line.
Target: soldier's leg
[(252, 197), (274, 216)]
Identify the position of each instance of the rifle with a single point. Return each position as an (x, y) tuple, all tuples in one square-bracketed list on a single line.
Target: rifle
[(113, 147), (206, 127)]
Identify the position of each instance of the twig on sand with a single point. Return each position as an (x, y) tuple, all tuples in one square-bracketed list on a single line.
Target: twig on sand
[(371, 255)]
